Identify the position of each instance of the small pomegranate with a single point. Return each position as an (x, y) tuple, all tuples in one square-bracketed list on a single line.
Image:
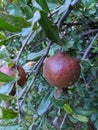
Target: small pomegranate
[(11, 71), (61, 70)]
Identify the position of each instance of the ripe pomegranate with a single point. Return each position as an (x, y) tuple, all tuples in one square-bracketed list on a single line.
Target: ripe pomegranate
[(11, 71), (61, 70)]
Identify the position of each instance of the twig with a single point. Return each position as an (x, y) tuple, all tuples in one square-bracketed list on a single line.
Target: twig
[(63, 17), (89, 32), (22, 48), (37, 70), (89, 47), (62, 123), (71, 24), (55, 121), (54, 11), (73, 3), (18, 106)]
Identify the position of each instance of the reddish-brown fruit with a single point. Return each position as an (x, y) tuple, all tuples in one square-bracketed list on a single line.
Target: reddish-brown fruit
[(11, 71), (11, 0), (61, 70)]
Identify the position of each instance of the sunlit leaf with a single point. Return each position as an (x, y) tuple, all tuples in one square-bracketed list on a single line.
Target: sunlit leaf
[(5, 78), (67, 108), (81, 118), (7, 113)]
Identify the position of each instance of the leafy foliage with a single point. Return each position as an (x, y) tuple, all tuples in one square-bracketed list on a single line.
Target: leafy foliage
[(32, 30)]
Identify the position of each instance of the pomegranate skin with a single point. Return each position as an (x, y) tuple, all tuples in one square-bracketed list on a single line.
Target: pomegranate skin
[(61, 70), (22, 75), (12, 72)]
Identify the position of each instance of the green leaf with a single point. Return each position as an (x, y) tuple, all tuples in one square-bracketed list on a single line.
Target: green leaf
[(44, 5), (36, 4), (72, 119), (12, 23), (85, 112), (2, 35), (7, 26), (96, 123), (5, 77), (7, 113), (8, 39), (9, 127), (4, 54), (67, 108), (57, 103), (67, 44), (64, 7), (36, 17), (28, 11), (35, 55), (45, 103), (88, 3), (7, 87), (81, 118), (5, 97), (49, 27)]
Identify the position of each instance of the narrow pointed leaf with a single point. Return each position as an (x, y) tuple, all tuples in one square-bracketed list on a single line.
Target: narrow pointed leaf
[(7, 113), (45, 103), (49, 27), (85, 112), (81, 118), (12, 23), (44, 5), (28, 11), (5, 97), (5, 77)]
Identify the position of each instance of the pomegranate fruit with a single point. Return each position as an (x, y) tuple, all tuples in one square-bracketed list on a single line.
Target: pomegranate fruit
[(61, 70), (11, 71)]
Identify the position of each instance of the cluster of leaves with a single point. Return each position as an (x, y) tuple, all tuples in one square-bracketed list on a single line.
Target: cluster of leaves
[(77, 34)]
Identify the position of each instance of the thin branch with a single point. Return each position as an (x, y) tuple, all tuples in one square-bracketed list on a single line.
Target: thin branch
[(71, 24), (64, 16), (74, 2), (22, 48), (55, 121), (89, 32), (37, 70), (89, 47), (62, 123), (18, 106), (54, 11)]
